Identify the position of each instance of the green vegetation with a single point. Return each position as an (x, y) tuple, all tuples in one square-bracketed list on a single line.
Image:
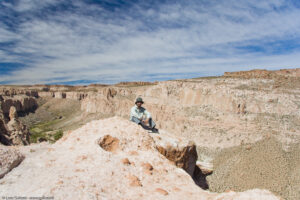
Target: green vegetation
[(43, 132), (58, 135)]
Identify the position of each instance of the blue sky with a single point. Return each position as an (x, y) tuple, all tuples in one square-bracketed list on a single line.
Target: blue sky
[(108, 41)]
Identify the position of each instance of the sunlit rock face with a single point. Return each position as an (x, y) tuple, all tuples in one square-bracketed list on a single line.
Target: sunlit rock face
[(10, 158), (18, 132), (111, 159), (210, 129), (231, 108)]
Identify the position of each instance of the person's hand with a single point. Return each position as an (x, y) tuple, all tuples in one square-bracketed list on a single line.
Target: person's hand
[(146, 121)]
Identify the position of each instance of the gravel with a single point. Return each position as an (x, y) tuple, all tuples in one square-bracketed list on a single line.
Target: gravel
[(263, 165)]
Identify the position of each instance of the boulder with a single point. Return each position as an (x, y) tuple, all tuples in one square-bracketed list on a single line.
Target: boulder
[(180, 151), (9, 159)]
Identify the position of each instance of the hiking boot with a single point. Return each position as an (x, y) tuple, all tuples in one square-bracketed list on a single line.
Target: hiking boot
[(155, 130)]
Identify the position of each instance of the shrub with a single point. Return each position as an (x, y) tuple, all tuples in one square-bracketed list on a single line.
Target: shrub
[(58, 135)]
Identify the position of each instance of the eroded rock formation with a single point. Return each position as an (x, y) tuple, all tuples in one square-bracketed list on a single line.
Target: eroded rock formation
[(4, 135), (20, 102), (216, 113), (18, 133), (199, 109), (77, 167), (12, 102)]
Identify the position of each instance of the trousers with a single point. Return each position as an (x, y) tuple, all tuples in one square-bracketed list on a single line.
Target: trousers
[(138, 121)]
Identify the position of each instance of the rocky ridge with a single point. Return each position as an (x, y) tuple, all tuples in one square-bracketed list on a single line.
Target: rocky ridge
[(102, 160), (237, 111)]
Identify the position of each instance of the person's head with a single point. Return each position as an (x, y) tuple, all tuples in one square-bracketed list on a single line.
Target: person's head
[(139, 101)]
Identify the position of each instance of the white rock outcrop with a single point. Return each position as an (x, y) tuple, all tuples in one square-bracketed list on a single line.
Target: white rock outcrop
[(108, 159), (18, 132), (10, 158)]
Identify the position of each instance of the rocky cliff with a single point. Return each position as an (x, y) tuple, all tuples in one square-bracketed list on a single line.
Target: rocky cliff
[(200, 109), (220, 127), (111, 159)]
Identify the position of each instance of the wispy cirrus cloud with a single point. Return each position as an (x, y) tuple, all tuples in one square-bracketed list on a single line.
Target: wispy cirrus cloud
[(112, 41)]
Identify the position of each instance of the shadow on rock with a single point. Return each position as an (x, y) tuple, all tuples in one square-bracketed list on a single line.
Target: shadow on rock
[(200, 178)]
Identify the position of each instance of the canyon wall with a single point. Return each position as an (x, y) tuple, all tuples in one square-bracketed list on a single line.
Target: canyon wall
[(245, 106)]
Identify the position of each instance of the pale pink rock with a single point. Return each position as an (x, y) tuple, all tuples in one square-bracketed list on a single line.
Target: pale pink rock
[(18, 133), (22, 103), (46, 94), (9, 158), (59, 95), (81, 169)]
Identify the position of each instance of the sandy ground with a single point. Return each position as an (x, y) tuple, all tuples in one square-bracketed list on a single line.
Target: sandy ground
[(263, 165)]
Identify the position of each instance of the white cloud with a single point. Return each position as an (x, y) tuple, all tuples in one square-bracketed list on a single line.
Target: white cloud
[(172, 39), (6, 35), (30, 5)]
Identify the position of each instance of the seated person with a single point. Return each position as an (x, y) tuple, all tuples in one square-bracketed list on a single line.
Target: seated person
[(141, 116)]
